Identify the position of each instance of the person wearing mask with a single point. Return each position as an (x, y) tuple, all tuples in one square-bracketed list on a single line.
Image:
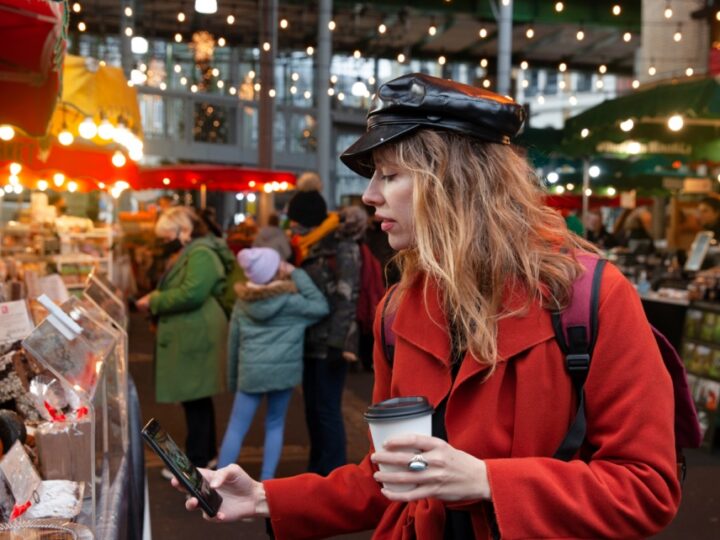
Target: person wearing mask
[(484, 262), (191, 334), (273, 236), (265, 347), (325, 248)]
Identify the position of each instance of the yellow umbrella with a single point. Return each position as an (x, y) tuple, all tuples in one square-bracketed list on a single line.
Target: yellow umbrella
[(97, 104)]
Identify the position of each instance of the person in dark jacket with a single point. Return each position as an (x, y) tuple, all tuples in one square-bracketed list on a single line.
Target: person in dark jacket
[(331, 256), (265, 348)]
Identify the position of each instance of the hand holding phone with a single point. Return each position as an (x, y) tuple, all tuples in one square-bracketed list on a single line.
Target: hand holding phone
[(181, 467)]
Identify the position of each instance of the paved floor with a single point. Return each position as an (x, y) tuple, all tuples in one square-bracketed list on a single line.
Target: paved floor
[(698, 519)]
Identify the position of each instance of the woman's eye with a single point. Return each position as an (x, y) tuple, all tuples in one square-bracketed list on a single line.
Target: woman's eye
[(387, 177)]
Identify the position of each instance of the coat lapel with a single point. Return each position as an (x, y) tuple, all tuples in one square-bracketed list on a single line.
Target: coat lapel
[(421, 322)]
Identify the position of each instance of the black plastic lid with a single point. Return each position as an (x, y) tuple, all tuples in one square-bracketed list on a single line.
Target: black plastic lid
[(398, 408)]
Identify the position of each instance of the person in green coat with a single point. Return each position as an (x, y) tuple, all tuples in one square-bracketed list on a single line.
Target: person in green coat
[(191, 326), (265, 351)]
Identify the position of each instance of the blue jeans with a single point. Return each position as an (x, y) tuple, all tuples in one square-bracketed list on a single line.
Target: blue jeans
[(243, 411), (323, 384)]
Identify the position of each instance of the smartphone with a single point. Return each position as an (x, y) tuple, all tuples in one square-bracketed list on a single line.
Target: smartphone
[(181, 467)]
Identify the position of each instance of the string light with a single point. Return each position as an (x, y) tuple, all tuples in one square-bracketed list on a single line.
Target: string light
[(627, 125), (559, 190), (65, 137), (602, 69), (220, 84), (177, 68), (183, 81), (307, 94), (283, 23), (6, 132), (562, 67), (611, 191), (129, 32), (668, 11), (87, 128), (341, 97), (562, 84), (82, 26), (584, 132), (599, 84), (251, 74), (677, 36), (652, 71), (310, 50), (689, 72), (484, 63), (572, 100), (272, 93), (432, 30), (627, 36), (675, 122), (231, 19), (58, 179), (221, 42), (442, 60), (181, 17), (163, 86), (401, 58), (128, 11), (523, 65), (483, 33), (72, 187), (357, 54), (331, 92), (331, 25), (178, 37), (257, 87), (580, 35), (194, 88), (636, 84), (382, 28), (530, 33), (486, 83), (295, 76), (15, 169), (77, 7), (559, 6), (541, 99), (42, 185), (616, 10), (266, 46)]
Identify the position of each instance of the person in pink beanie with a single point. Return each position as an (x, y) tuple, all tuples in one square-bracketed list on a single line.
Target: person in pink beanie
[(265, 348)]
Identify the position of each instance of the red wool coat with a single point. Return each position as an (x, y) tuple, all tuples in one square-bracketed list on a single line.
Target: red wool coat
[(623, 486)]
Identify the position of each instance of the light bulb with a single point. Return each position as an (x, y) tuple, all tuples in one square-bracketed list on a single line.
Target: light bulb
[(87, 128), (6, 132), (118, 159), (42, 185), (675, 122), (65, 137), (206, 7), (442, 60), (58, 179), (584, 132), (559, 6), (530, 33), (627, 125), (15, 168), (483, 33), (72, 187), (432, 30)]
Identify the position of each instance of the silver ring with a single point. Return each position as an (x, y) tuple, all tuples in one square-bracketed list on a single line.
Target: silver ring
[(417, 463)]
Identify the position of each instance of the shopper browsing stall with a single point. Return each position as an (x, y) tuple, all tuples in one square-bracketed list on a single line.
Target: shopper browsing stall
[(191, 325), (483, 263)]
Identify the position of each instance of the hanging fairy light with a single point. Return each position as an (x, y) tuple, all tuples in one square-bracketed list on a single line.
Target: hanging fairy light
[(677, 36), (206, 7), (118, 159), (616, 10), (652, 71), (432, 30), (178, 37), (584, 132), (230, 19), (181, 17), (562, 67), (442, 60), (382, 28), (310, 50), (580, 35), (76, 7), (602, 69), (65, 137), (627, 36), (483, 33), (82, 26), (559, 6), (675, 122), (524, 65), (401, 58), (668, 11), (636, 84), (627, 125), (332, 26), (58, 179), (530, 33), (42, 185), (87, 128), (483, 62), (6, 132), (284, 24), (72, 186), (15, 169), (689, 72)]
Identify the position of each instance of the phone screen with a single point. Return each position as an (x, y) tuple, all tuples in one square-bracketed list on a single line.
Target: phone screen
[(179, 463)]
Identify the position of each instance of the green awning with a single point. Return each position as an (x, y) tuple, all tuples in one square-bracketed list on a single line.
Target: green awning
[(697, 101)]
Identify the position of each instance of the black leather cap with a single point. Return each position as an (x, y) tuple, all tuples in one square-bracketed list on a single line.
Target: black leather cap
[(416, 101)]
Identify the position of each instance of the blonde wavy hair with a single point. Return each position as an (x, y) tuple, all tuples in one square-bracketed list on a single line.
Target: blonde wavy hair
[(481, 228)]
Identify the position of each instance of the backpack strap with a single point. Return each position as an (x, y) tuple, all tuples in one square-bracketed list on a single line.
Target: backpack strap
[(386, 333), (576, 334)]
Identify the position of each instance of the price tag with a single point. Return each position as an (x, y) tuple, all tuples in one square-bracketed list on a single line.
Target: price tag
[(15, 322)]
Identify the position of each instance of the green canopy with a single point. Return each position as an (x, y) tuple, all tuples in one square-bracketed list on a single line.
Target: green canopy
[(696, 101)]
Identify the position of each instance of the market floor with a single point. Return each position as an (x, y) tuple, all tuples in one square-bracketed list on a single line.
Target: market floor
[(698, 519)]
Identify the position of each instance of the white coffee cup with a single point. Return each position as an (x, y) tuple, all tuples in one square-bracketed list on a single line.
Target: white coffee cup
[(399, 416)]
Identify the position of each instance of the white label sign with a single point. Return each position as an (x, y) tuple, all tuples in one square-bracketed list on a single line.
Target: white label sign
[(15, 321)]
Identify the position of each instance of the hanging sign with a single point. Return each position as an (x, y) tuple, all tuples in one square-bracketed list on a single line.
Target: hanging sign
[(15, 321), (697, 185)]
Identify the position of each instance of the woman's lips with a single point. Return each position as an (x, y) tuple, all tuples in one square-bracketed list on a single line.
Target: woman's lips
[(387, 224)]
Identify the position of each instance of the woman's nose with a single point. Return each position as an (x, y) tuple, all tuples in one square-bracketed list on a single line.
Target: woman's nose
[(372, 195)]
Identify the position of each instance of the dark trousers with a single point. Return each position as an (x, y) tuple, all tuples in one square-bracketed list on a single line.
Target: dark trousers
[(200, 444), (323, 384)]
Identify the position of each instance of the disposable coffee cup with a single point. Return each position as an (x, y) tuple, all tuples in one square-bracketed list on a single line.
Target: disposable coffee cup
[(399, 416)]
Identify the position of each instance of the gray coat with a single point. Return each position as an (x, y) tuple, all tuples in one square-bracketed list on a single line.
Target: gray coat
[(265, 345)]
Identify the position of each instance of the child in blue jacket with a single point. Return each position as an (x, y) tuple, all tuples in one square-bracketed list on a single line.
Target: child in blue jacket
[(265, 348)]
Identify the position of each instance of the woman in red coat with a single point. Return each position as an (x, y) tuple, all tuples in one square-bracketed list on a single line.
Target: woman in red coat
[(483, 263)]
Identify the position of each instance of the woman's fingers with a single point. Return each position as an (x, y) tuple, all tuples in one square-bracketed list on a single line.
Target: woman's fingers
[(422, 443)]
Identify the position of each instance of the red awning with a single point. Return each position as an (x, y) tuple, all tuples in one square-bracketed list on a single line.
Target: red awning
[(32, 48), (86, 164), (214, 177)]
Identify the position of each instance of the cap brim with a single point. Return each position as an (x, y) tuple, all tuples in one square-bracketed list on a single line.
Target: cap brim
[(358, 156)]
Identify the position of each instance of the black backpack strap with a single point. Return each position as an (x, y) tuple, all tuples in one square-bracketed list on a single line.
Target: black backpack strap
[(576, 333), (386, 328)]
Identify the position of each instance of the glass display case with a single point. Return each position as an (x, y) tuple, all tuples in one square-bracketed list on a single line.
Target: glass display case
[(77, 440)]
